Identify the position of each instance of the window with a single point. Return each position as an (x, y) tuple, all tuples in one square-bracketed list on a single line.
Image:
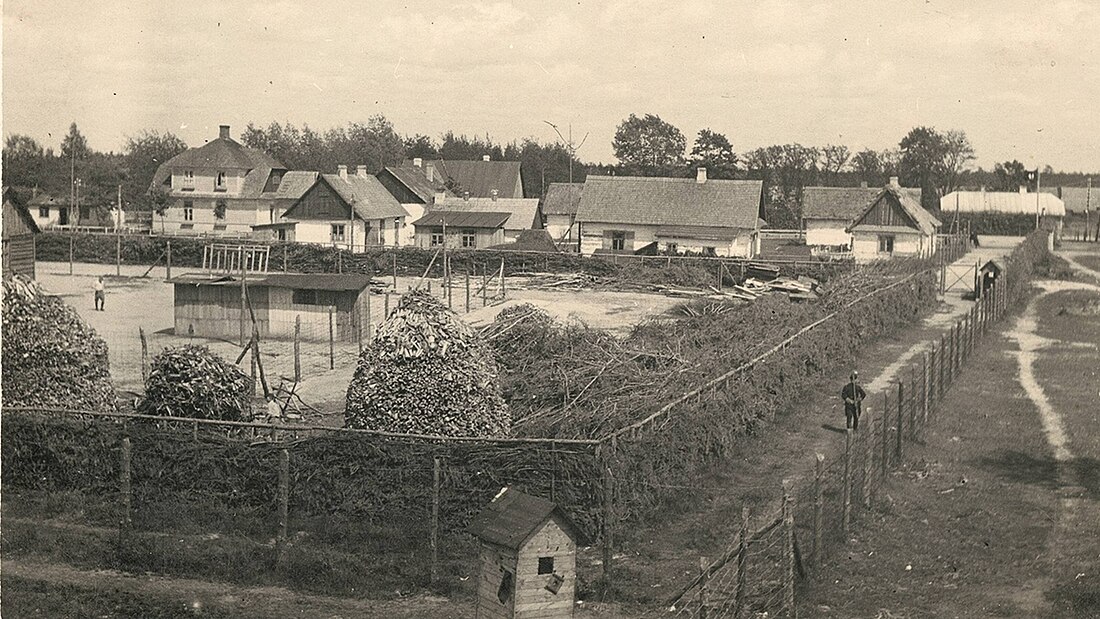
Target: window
[(189, 211), (219, 182), (188, 180), (469, 238), (43, 211), (219, 209), (187, 226), (886, 244), (437, 239), (219, 227), (618, 241), (338, 233), (276, 178), (546, 565), (281, 234)]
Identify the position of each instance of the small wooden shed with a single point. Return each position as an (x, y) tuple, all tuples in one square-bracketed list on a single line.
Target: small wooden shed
[(990, 272), (19, 229), (528, 558)]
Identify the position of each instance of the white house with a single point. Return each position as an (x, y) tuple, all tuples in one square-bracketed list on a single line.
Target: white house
[(348, 211), (625, 214), (828, 211), (893, 224), (560, 209), (523, 213)]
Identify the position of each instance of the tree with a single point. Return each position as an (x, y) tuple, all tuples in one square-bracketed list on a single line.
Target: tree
[(922, 158), (714, 151), (24, 160), (958, 153), (648, 143), (420, 145), (74, 145), (142, 155), (867, 165), (835, 157), (785, 169), (1010, 176)]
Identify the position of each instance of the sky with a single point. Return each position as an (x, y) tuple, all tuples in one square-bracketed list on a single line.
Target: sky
[(1022, 79)]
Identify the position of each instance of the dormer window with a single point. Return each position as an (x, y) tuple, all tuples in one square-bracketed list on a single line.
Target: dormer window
[(219, 182), (276, 178), (188, 180)]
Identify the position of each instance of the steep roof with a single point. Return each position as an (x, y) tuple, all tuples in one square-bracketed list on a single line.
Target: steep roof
[(922, 219), (562, 198), (223, 153), (480, 177), (844, 203), (462, 219), (416, 181), (366, 195), (513, 517), (295, 184), (45, 199), (670, 202), (17, 219), (524, 213), (1009, 202)]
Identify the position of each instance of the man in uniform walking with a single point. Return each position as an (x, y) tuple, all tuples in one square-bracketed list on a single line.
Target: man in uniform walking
[(100, 294), (853, 396)]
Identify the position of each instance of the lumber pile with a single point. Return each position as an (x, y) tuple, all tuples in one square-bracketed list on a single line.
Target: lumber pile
[(50, 356), (427, 372), (193, 381)]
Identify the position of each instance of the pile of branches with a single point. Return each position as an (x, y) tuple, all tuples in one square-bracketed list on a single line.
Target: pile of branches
[(50, 356), (192, 381), (427, 372)]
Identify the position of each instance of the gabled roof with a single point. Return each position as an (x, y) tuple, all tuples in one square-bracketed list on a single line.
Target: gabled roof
[(223, 153), (524, 212), (462, 219), (294, 184), (364, 194), (1010, 202), (414, 180), (14, 206), (922, 219), (843, 203), (480, 177), (670, 202), (45, 199), (513, 517), (562, 198)]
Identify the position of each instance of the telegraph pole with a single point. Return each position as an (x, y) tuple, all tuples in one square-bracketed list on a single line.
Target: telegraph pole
[(1038, 190), (1088, 207), (570, 148)]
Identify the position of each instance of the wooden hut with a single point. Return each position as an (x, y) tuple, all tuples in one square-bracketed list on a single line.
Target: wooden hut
[(528, 558), (18, 232), (989, 273), (211, 306)]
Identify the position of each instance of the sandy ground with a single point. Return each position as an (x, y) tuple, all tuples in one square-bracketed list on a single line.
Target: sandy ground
[(135, 302)]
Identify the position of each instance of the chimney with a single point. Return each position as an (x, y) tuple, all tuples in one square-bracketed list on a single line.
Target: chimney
[(223, 132), (700, 175), (430, 173), (863, 184), (485, 158), (894, 181), (361, 170), (493, 194), (342, 170), (418, 162), (465, 195), (1023, 189)]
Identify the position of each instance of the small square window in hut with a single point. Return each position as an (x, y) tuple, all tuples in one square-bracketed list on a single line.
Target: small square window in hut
[(546, 565)]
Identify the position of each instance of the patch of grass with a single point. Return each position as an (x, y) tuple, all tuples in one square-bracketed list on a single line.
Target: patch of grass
[(31, 598)]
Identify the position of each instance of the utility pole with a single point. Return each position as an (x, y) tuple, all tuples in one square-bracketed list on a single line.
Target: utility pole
[(571, 149), (1088, 207), (1038, 190), (72, 183)]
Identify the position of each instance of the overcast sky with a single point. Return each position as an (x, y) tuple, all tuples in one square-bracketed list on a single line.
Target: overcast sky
[(1021, 78)]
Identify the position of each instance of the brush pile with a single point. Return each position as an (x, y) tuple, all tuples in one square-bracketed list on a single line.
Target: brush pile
[(50, 356), (192, 381), (427, 372)]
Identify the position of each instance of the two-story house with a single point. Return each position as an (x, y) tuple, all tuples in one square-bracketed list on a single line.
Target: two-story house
[(220, 188)]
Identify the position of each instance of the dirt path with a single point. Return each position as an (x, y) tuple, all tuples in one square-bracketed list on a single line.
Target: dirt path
[(248, 602)]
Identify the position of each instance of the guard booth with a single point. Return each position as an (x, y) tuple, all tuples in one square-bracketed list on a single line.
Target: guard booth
[(528, 552), (987, 275)]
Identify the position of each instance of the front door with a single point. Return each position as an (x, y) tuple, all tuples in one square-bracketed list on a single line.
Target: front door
[(63, 216)]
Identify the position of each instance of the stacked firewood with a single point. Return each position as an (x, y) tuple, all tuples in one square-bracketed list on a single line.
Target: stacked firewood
[(427, 372), (192, 381), (51, 358)]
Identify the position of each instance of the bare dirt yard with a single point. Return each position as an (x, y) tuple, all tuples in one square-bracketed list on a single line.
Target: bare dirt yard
[(135, 302), (997, 512)]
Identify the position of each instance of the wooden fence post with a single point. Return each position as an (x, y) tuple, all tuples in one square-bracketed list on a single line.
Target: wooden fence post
[(168, 260), (868, 458), (819, 507), (118, 254), (788, 547), (901, 421), (847, 514), (435, 520), (331, 341), (885, 432), (285, 262), (467, 291), (394, 256), (739, 609), (126, 515), (144, 356), (71, 242), (386, 306), (608, 525), (284, 508), (925, 374), (484, 285), (703, 564), (942, 364), (912, 406), (298, 348)]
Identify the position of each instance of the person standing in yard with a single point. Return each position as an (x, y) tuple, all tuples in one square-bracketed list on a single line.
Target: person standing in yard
[(853, 396), (100, 294)]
